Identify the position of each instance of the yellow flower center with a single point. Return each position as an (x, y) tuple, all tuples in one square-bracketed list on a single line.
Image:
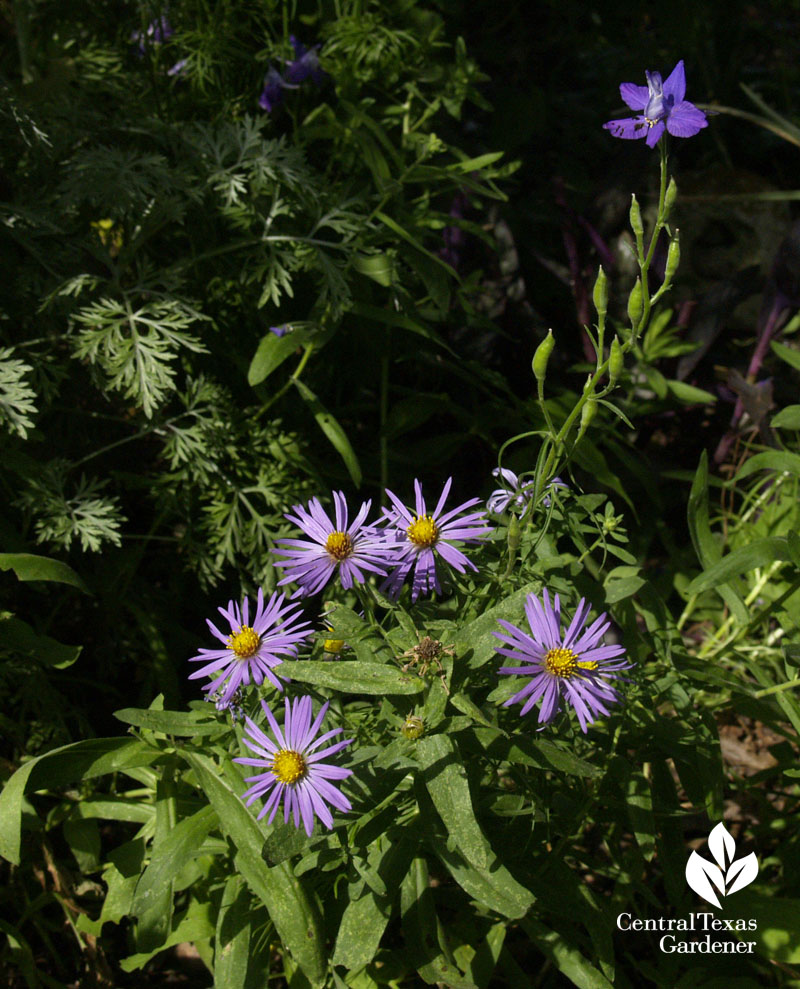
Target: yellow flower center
[(423, 532), (245, 642), (289, 766), (339, 545), (565, 663), (334, 646)]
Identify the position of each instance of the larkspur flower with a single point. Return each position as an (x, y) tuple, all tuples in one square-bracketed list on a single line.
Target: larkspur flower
[(573, 666), (663, 106), (305, 64), (333, 546), (251, 651), (293, 767), (272, 93), (156, 33), (280, 331), (515, 492), (418, 537)]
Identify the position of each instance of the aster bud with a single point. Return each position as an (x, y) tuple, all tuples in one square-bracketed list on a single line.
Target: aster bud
[(514, 536), (635, 303), (542, 356), (669, 198), (600, 294), (333, 646), (673, 259), (636, 219), (413, 727), (616, 362)]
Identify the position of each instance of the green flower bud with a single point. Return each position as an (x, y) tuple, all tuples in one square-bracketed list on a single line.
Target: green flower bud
[(669, 198), (542, 356), (514, 536), (673, 259), (636, 219), (600, 294), (413, 727), (635, 303), (616, 361)]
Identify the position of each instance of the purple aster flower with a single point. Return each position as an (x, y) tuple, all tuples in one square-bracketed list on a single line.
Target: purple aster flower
[(418, 537), (305, 64), (333, 545), (272, 93), (251, 651), (293, 768), (515, 491), (663, 105), (573, 665)]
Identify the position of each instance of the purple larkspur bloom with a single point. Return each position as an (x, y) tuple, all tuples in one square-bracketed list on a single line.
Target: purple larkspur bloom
[(516, 492), (279, 331), (272, 93), (663, 106), (333, 545), (156, 33), (304, 65), (179, 68), (251, 651), (293, 769), (418, 537), (573, 665)]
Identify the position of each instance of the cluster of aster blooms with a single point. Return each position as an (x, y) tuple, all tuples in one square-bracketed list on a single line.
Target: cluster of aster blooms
[(305, 65), (404, 545)]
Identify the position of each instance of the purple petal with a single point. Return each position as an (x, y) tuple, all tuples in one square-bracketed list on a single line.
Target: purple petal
[(675, 83), (628, 129), (686, 120), (635, 96)]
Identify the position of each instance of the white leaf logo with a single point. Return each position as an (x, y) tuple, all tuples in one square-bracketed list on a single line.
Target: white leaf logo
[(700, 873)]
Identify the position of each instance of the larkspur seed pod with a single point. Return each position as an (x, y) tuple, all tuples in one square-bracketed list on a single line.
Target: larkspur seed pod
[(616, 361), (635, 303), (588, 413), (669, 198), (600, 293), (514, 536), (673, 259), (542, 356), (636, 218)]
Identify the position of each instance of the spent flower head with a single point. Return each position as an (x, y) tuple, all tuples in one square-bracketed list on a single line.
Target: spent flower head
[(333, 546), (418, 537), (572, 666), (252, 651), (663, 107), (293, 768)]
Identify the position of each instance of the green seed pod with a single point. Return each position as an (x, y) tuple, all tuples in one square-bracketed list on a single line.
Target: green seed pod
[(542, 356), (673, 259), (616, 362), (600, 294), (413, 727), (588, 413), (514, 536), (669, 198), (635, 303), (636, 219)]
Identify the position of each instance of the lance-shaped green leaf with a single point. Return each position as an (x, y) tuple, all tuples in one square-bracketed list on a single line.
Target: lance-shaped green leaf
[(424, 935), (28, 566), (232, 947), (171, 855), (331, 428), (294, 915), (478, 636), (78, 761), (758, 553), (494, 888), (191, 723), (272, 351), (353, 677)]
